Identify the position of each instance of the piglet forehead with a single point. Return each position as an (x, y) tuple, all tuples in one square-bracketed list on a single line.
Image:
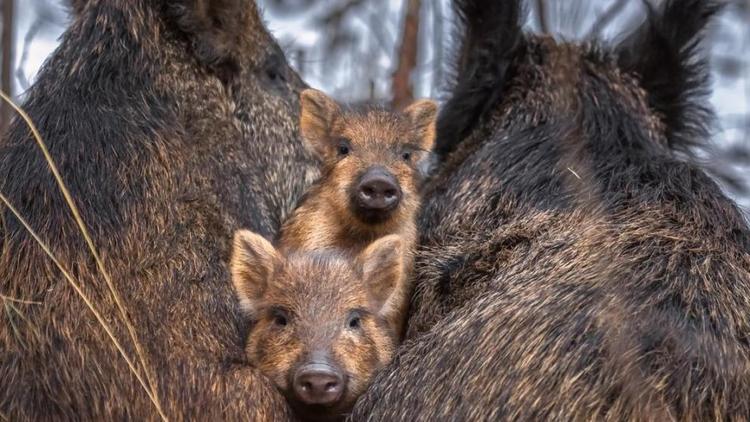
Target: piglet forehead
[(316, 284), (376, 128)]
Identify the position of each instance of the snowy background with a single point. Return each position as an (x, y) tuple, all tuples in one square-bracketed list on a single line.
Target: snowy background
[(351, 49)]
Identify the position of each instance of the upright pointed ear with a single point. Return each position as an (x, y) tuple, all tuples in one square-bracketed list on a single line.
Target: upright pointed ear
[(215, 29), (489, 40), (423, 114), (664, 53), (252, 265), (317, 114), (382, 265)]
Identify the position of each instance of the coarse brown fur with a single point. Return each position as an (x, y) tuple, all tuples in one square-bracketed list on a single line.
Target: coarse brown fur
[(173, 123), (319, 306), (373, 138), (398, 142), (574, 264)]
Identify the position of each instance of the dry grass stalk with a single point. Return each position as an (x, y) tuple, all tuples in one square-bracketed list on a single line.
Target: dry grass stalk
[(151, 386)]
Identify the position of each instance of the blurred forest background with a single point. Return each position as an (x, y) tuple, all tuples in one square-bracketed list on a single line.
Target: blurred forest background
[(395, 50)]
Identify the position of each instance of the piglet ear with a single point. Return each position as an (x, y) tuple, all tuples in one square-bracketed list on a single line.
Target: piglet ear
[(252, 265), (382, 266), (423, 115), (317, 114)]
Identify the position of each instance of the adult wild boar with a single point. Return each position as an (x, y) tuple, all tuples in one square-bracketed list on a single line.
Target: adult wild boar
[(173, 123), (574, 265)]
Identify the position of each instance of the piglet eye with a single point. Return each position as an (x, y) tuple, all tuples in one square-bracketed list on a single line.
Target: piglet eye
[(354, 322), (406, 156), (343, 147), (279, 318)]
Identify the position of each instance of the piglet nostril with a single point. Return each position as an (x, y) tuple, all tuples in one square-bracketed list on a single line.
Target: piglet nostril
[(318, 384), (378, 190)]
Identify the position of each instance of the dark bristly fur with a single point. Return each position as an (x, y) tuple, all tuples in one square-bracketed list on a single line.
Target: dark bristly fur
[(572, 266), (213, 27), (664, 56), (77, 5), (167, 150), (492, 39)]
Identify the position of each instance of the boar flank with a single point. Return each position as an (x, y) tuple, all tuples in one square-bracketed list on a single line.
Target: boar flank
[(173, 122), (574, 265)]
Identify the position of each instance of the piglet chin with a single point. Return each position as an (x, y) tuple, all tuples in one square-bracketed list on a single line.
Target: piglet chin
[(317, 412)]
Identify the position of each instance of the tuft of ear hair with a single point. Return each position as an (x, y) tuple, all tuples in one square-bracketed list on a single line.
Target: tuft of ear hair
[(489, 40), (663, 53), (252, 265), (214, 28), (77, 6), (317, 113), (382, 266), (423, 116)]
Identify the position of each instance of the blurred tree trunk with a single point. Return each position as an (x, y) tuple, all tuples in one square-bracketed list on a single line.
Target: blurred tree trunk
[(437, 59), (7, 61), (541, 10), (407, 56)]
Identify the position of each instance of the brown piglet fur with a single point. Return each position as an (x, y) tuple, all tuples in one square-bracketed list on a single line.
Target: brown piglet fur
[(329, 300), (354, 145), (351, 144), (319, 315)]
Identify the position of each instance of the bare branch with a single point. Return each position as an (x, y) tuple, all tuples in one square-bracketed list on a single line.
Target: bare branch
[(27, 40), (6, 62), (606, 18)]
